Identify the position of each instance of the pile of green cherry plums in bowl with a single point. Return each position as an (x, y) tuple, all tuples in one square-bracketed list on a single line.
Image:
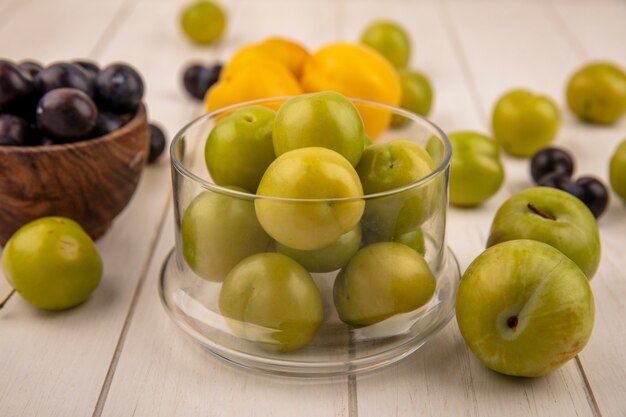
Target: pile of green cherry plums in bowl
[(303, 247)]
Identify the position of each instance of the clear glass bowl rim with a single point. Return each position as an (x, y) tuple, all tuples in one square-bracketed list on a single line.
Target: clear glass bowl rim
[(180, 167)]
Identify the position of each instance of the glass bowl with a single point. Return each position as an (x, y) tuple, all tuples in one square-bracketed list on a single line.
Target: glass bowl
[(208, 245)]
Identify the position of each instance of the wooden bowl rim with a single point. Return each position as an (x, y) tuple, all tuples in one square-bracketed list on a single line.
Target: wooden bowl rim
[(134, 123)]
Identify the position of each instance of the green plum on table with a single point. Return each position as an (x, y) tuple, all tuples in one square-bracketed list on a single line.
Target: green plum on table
[(203, 21), (554, 217), (271, 300), (315, 174), (325, 119), (239, 148), (329, 258), (390, 40), (475, 169), (617, 170), (596, 93), (52, 263), (218, 231), (417, 96), (382, 280), (524, 308), (523, 122)]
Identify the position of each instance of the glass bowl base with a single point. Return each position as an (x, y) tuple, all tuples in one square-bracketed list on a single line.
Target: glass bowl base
[(337, 349)]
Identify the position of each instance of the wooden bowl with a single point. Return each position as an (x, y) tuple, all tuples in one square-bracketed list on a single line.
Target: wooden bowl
[(89, 181)]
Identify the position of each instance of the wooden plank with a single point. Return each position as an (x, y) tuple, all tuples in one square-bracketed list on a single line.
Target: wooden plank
[(68, 354), (157, 371), (444, 378), (20, 40), (596, 32), (542, 59), (313, 23), (160, 371), (4, 10), (54, 30)]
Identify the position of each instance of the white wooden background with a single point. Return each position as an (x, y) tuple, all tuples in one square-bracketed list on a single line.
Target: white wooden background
[(120, 355)]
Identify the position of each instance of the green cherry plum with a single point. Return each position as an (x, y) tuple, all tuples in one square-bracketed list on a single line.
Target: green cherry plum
[(329, 258), (382, 280), (475, 169), (617, 170), (413, 239), (52, 263), (390, 40), (596, 93), (203, 21), (218, 231), (315, 174), (523, 122), (384, 167), (436, 149), (554, 217), (239, 148), (417, 96), (524, 308), (325, 119), (271, 300)]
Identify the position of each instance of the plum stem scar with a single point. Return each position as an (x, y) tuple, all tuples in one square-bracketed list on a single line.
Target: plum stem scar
[(540, 212)]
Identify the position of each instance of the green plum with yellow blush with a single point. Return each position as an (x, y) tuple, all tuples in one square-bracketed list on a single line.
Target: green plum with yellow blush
[(52, 263), (436, 149), (218, 231), (271, 300), (554, 217), (617, 170), (240, 148), (417, 96), (325, 119), (476, 172), (382, 280), (390, 40), (596, 93), (329, 258), (413, 239), (203, 21), (524, 122), (524, 308), (316, 174), (387, 166)]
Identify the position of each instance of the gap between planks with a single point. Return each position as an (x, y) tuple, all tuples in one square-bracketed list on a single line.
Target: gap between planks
[(591, 399), (112, 28), (444, 17), (104, 392), (116, 23), (566, 33), (8, 8), (554, 18), (579, 50)]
